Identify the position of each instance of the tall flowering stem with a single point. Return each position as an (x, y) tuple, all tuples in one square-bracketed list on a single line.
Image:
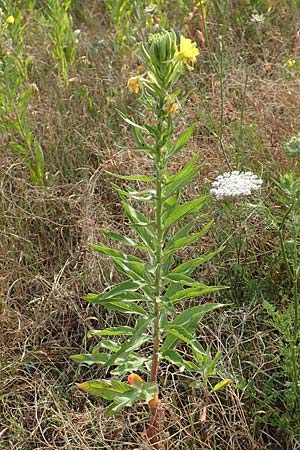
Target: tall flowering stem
[(154, 285)]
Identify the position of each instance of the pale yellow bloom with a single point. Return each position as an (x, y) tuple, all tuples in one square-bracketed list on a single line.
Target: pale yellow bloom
[(10, 20), (291, 62), (188, 50), (172, 107), (134, 84)]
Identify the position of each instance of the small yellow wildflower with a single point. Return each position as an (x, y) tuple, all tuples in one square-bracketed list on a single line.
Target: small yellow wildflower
[(291, 63), (134, 84), (172, 107), (188, 50), (10, 20)]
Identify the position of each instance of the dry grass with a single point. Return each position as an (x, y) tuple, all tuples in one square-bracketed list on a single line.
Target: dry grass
[(47, 266)]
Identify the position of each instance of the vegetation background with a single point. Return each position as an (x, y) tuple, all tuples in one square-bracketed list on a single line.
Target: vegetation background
[(64, 71)]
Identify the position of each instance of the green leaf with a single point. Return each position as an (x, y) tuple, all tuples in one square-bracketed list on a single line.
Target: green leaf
[(123, 239), (137, 340), (183, 335), (122, 401), (126, 289), (132, 177), (178, 241), (101, 248), (105, 389), (132, 123), (192, 292), (180, 278), (183, 210), (19, 149), (182, 178), (110, 345), (174, 358), (122, 306), (181, 141), (113, 331), (130, 265), (189, 320), (89, 359), (141, 224), (133, 363), (189, 266)]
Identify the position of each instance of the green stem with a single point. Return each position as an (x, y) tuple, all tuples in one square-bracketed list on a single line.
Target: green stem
[(159, 245)]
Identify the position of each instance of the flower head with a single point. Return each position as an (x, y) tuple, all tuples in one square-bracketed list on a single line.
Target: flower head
[(235, 183), (188, 50), (172, 107), (257, 18), (10, 20), (134, 84), (290, 63)]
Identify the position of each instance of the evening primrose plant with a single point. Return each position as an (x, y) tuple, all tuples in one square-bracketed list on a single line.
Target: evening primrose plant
[(154, 285)]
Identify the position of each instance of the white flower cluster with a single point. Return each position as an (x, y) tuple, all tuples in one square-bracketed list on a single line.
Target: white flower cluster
[(257, 18), (235, 183)]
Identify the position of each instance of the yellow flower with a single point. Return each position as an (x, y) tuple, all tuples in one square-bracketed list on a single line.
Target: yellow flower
[(134, 84), (172, 107), (188, 50), (291, 63), (10, 20)]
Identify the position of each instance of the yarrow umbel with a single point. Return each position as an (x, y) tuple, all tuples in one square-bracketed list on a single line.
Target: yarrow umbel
[(235, 184)]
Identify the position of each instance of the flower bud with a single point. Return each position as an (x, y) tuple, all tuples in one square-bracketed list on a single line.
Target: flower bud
[(162, 46)]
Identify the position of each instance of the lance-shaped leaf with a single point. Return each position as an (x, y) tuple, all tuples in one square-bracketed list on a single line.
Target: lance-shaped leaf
[(179, 212), (182, 178), (105, 389), (124, 239), (132, 177), (189, 266), (178, 241), (181, 141), (130, 265), (140, 141), (127, 287), (137, 340), (183, 335), (90, 359), (181, 243), (141, 224), (101, 248), (195, 291), (122, 304), (132, 123), (113, 331), (175, 358), (189, 320)]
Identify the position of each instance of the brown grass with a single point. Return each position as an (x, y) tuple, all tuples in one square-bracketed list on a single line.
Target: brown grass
[(47, 265)]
